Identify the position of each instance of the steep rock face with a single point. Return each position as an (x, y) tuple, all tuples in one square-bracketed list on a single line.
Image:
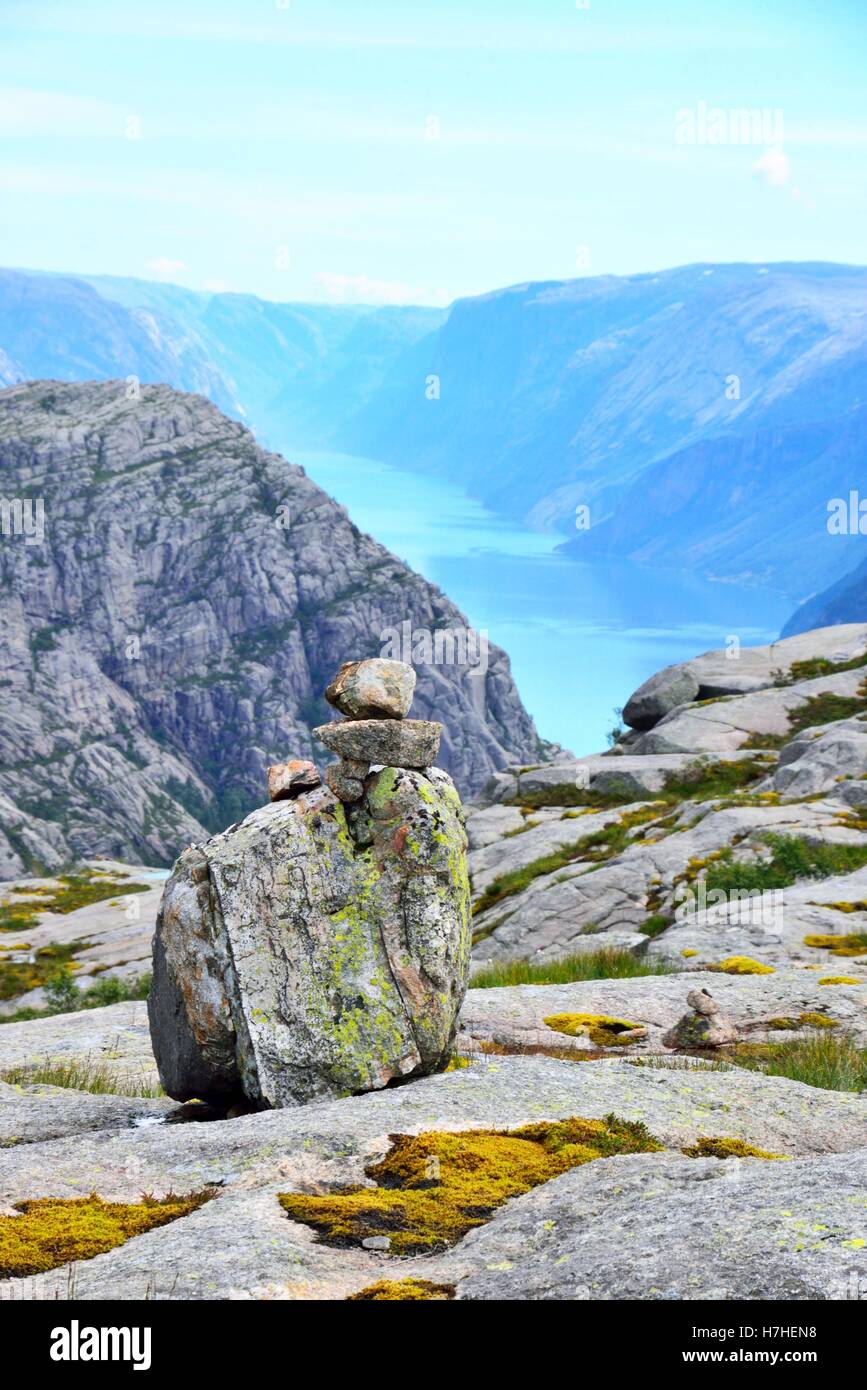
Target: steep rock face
[(844, 602), (168, 637), (313, 951), (684, 407)]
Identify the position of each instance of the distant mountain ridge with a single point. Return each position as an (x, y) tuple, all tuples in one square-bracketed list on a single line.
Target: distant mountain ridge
[(704, 414), (268, 364)]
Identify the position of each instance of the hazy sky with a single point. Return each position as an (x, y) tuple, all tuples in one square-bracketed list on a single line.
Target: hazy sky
[(418, 150)]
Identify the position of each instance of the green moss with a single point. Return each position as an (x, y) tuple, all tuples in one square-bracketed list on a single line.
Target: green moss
[(655, 925), (70, 999), (416, 1290), (51, 1232), (720, 1147), (436, 1186), (17, 977), (599, 1028)]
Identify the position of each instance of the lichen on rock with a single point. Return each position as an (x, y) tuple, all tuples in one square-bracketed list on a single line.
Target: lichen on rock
[(315, 949)]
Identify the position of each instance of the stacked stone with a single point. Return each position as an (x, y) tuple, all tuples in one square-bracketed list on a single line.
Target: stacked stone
[(374, 696)]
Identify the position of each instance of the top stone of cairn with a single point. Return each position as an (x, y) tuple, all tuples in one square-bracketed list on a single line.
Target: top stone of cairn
[(372, 689)]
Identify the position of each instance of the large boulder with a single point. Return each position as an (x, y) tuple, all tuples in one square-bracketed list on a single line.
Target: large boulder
[(740, 671), (315, 950), (676, 685)]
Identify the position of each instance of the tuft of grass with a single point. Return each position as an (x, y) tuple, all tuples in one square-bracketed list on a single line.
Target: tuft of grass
[(792, 858), (82, 1074), (832, 1061), (608, 963), (824, 708)]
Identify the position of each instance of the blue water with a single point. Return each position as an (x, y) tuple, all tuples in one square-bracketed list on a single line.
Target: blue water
[(581, 637)]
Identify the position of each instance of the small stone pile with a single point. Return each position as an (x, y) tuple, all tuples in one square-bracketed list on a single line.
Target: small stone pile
[(705, 1026), (375, 696)]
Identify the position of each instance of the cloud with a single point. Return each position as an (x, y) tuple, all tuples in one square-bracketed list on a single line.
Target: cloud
[(360, 289), (773, 167), (164, 266), (24, 111)]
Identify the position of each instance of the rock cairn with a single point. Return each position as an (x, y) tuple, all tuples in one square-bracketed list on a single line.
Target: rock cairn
[(321, 947), (705, 1026)]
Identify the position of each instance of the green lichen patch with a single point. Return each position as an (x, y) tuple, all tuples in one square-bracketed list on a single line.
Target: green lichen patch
[(434, 1187), (52, 1231), (721, 1147), (404, 1290), (599, 1028)]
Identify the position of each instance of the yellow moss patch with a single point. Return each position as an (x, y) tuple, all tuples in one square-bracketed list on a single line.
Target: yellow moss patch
[(434, 1187), (806, 1020), (386, 1290), (840, 980), (853, 945), (51, 1231), (458, 1064), (688, 952), (742, 965), (845, 907), (720, 1147), (603, 1031)]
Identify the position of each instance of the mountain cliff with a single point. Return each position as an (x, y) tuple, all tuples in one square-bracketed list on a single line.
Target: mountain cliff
[(169, 634), (701, 413), (843, 602)]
